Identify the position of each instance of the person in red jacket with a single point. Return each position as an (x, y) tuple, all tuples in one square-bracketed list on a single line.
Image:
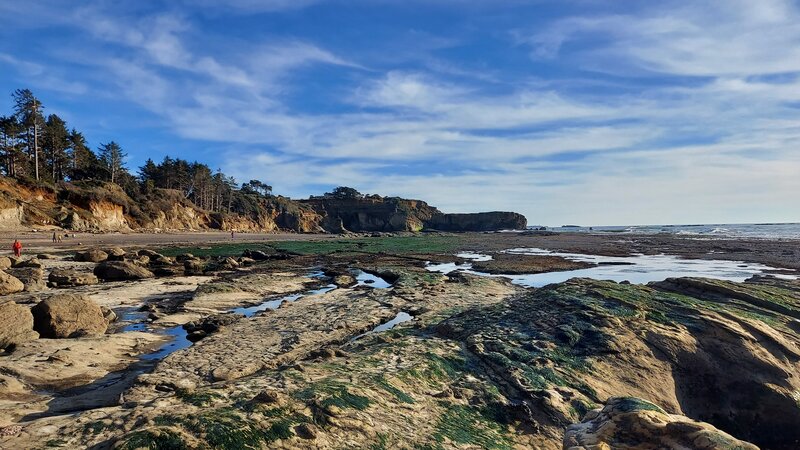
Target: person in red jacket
[(17, 247)]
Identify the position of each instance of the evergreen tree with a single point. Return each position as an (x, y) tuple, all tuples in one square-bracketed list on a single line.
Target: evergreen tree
[(28, 111), (55, 144), (113, 160), (11, 144), (84, 164)]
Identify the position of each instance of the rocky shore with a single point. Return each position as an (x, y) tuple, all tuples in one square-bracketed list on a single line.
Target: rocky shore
[(356, 343)]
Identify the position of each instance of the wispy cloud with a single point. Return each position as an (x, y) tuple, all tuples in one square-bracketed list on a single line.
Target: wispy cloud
[(670, 112)]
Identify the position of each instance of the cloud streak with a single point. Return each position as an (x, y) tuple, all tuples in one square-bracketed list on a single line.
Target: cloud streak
[(681, 112)]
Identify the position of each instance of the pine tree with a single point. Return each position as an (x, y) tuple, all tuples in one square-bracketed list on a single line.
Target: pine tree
[(28, 111), (84, 163), (113, 160), (55, 144)]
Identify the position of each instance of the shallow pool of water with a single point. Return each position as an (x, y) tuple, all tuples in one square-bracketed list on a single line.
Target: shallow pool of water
[(179, 335), (370, 280), (638, 269), (401, 317), (178, 341)]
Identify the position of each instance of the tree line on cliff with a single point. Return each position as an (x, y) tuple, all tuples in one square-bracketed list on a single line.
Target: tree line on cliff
[(39, 149)]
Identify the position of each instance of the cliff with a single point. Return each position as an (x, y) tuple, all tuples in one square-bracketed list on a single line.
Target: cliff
[(100, 206), (375, 213)]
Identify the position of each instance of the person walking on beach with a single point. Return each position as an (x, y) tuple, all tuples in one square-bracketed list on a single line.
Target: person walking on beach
[(17, 248), (231, 234), (55, 238)]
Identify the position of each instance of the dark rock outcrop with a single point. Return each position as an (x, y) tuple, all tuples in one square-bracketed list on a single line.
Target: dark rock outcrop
[(387, 214), (486, 221), (68, 315)]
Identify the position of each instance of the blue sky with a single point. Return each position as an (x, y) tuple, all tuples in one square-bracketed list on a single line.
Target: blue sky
[(569, 111)]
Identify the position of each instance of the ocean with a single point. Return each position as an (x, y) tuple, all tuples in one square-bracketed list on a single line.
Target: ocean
[(709, 231)]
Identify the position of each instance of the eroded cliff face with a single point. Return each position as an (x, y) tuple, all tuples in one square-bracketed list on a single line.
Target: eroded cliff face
[(374, 213), (98, 207), (486, 221)]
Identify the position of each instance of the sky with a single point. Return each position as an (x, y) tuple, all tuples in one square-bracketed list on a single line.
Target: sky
[(590, 112)]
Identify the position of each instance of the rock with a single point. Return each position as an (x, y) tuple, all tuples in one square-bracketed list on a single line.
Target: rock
[(31, 277), (260, 255), (199, 329), (143, 260), (116, 254), (68, 315), (194, 266), (108, 314), (168, 271), (322, 353), (222, 264), (149, 253), (306, 431), (30, 263), (69, 278), (46, 256), (16, 325), (161, 260), (245, 261), (635, 424), (269, 397), (93, 255), (121, 271), (344, 280), (10, 284), (5, 262), (183, 257), (11, 430)]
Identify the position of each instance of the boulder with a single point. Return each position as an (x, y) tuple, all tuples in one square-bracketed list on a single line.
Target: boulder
[(16, 325), (5, 262), (635, 424), (31, 277), (168, 271), (93, 255), (68, 278), (121, 271), (68, 315), (184, 256), (9, 284), (199, 329), (149, 253), (194, 266), (161, 260), (31, 263), (46, 256), (116, 254), (109, 314), (344, 280)]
